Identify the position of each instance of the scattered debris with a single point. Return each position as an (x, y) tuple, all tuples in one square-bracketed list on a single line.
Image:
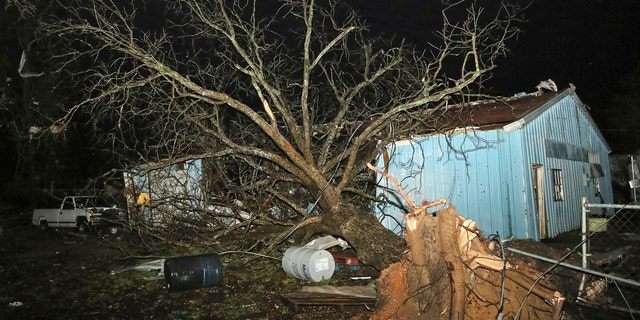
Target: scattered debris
[(595, 288), (327, 242), (608, 258), (147, 267), (312, 261), (549, 85), (334, 296), (193, 272), (448, 272), (347, 259)]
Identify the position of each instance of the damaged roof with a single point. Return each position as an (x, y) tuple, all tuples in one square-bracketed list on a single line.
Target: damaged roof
[(510, 113), (486, 115)]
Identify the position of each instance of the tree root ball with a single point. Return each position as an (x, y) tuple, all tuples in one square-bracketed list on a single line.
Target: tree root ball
[(449, 274), (392, 288)]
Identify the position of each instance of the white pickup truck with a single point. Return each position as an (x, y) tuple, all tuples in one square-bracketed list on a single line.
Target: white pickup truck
[(81, 212)]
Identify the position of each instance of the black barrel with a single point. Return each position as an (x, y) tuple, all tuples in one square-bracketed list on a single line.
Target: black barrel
[(193, 272)]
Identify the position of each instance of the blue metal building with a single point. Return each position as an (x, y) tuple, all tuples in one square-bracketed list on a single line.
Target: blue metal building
[(519, 166)]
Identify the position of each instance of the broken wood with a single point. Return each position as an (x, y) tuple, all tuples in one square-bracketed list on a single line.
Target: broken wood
[(412, 208), (332, 296), (449, 273)]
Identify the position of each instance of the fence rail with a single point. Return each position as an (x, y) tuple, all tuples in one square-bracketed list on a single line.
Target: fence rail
[(615, 238)]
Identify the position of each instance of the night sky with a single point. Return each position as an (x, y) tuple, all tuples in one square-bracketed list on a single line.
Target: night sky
[(592, 44)]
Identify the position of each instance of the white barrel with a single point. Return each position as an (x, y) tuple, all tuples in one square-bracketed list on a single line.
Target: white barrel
[(308, 264)]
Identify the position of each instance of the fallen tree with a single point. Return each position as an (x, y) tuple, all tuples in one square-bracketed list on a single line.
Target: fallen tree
[(449, 272), (291, 99)]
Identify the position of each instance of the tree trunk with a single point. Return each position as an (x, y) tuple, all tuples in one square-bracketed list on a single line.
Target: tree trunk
[(448, 273), (375, 245), (422, 286)]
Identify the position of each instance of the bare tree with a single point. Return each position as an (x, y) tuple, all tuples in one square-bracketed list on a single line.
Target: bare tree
[(26, 94), (295, 90)]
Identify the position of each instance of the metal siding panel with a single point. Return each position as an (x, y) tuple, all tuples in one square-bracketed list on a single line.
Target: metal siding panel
[(534, 135), (491, 185), (565, 123), (606, 187), (536, 132), (465, 175), (500, 169), (519, 211), (386, 212), (470, 161)]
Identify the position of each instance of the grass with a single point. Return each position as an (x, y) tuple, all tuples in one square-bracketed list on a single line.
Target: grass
[(61, 274)]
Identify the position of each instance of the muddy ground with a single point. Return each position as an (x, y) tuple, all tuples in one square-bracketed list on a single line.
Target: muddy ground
[(67, 275)]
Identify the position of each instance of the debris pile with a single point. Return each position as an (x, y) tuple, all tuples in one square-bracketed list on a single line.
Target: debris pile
[(449, 273)]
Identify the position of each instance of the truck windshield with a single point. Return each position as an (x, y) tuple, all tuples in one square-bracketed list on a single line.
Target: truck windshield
[(91, 202)]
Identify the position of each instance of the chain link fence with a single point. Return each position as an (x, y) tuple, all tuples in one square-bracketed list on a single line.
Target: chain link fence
[(612, 240)]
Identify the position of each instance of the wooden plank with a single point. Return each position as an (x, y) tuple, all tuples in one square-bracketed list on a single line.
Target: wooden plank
[(323, 299)]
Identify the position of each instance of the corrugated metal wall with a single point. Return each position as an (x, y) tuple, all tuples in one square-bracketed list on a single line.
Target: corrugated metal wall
[(564, 123), (464, 168), (487, 175)]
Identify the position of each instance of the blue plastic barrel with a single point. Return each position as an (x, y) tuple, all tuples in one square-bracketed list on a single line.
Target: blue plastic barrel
[(192, 272)]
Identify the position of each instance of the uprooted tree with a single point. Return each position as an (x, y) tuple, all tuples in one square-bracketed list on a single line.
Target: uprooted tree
[(291, 95), (447, 254)]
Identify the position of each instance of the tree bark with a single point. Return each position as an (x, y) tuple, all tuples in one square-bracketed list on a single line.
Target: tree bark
[(375, 245), (439, 278), (449, 251)]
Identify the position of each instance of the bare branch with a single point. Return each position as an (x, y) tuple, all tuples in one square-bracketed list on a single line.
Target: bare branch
[(289, 96)]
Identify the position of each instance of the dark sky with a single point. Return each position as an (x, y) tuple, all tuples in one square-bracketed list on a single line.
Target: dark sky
[(592, 44)]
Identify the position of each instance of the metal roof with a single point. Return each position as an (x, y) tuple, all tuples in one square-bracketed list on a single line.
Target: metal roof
[(510, 113), (489, 114)]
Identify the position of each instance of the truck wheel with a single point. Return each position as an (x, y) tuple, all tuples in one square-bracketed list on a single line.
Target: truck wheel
[(44, 226), (82, 227)]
